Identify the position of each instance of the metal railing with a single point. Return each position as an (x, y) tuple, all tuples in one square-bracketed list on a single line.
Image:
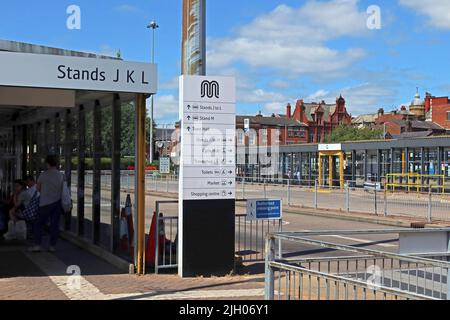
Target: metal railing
[(427, 206), (166, 238), (350, 272), (249, 237)]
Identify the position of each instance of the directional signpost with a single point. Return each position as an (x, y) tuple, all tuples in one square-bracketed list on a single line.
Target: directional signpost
[(264, 209), (207, 175), (164, 165)]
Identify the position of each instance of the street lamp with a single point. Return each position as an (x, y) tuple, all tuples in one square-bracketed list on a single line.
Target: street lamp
[(153, 25)]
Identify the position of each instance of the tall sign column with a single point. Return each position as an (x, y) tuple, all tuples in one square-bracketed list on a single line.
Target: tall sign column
[(207, 175)]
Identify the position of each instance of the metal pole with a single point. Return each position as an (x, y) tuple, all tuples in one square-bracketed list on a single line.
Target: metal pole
[(140, 183), (289, 192), (430, 204), (265, 191), (347, 197), (385, 201), (269, 273), (243, 187), (157, 238), (315, 193), (375, 198)]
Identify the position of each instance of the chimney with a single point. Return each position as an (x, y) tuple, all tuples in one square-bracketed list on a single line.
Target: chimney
[(289, 111), (428, 99), (409, 126), (299, 107)]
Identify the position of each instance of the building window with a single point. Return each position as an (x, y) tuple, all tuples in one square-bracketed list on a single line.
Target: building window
[(296, 132), (448, 115)]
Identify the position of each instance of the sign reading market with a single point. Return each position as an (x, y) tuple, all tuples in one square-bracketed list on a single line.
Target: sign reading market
[(76, 73)]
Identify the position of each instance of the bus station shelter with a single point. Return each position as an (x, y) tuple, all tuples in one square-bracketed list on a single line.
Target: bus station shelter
[(49, 99)]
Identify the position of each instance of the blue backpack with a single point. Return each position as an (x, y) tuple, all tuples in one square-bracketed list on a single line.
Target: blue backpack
[(30, 213)]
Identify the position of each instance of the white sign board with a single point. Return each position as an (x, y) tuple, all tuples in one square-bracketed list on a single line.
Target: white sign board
[(208, 130), (164, 165), (246, 125), (77, 73), (330, 147)]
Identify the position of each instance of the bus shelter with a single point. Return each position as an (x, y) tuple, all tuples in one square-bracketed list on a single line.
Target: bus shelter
[(49, 100)]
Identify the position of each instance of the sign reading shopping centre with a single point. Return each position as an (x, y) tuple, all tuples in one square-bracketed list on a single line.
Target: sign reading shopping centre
[(76, 73), (208, 129)]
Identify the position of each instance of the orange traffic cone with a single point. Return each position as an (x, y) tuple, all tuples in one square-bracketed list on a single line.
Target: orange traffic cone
[(151, 241)]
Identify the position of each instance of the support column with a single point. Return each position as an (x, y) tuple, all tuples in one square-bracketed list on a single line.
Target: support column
[(32, 156), (378, 165), (115, 176), (319, 159), (330, 173), (68, 147), (140, 184), (341, 170), (366, 164), (354, 167), (81, 169), (24, 151), (96, 187), (310, 169), (57, 136), (300, 170)]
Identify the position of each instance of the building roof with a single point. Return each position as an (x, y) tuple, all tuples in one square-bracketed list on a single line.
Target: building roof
[(163, 134), (365, 118), (416, 124), (281, 121), (416, 134), (311, 108), (14, 46)]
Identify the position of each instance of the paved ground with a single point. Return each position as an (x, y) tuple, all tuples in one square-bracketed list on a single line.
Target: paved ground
[(49, 276), (46, 276)]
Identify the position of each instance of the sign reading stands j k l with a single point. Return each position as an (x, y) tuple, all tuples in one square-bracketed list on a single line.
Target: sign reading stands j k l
[(264, 209), (76, 73)]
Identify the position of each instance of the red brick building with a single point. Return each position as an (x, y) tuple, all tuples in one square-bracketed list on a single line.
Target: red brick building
[(321, 118), (438, 110), (307, 123), (265, 129)]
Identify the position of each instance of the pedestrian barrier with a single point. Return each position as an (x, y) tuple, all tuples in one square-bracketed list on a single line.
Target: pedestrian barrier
[(346, 272), (249, 243)]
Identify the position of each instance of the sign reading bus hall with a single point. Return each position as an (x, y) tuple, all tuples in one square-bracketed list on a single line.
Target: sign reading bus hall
[(76, 73)]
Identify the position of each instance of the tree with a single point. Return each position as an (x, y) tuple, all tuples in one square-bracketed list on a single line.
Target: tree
[(344, 133)]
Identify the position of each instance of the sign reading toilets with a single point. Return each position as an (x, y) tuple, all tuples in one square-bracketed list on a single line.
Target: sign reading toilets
[(76, 73)]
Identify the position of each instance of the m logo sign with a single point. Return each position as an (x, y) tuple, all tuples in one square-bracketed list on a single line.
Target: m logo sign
[(210, 89)]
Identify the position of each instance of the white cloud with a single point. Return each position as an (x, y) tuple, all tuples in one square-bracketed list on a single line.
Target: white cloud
[(438, 11), (259, 96), (294, 40), (362, 98), (126, 8), (166, 108), (172, 84), (280, 84), (319, 94)]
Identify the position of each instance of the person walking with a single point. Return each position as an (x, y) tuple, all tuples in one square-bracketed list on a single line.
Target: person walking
[(49, 185)]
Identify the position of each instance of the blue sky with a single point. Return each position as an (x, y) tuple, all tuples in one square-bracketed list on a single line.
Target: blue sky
[(278, 50)]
